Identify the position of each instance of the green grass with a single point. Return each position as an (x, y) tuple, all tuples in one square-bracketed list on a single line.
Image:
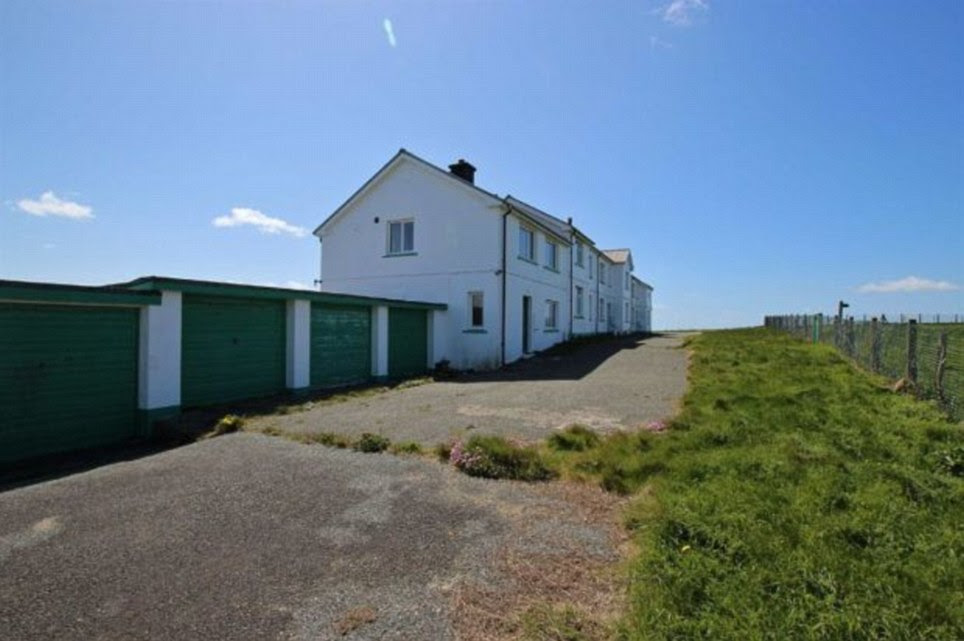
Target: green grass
[(794, 497)]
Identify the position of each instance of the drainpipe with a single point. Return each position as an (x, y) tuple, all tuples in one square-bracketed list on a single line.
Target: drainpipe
[(598, 305), (572, 259), (505, 216)]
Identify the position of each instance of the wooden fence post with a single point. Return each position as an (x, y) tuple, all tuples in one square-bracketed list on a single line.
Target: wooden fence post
[(941, 362), (912, 351)]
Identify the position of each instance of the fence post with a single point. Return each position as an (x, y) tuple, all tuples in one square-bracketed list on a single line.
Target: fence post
[(941, 361), (816, 327), (874, 345), (912, 351)]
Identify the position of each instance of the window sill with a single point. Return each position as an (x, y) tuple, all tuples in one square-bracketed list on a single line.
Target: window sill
[(578, 317), (527, 260), (475, 330), (550, 330), (551, 269), (400, 254)]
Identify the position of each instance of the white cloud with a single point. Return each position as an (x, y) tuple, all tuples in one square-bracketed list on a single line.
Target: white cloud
[(389, 31), (49, 205), (265, 224), (909, 284), (682, 12)]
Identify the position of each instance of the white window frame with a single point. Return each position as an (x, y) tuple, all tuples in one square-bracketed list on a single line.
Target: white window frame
[(472, 296), (529, 251), (552, 314), (579, 301), (402, 250), (552, 255)]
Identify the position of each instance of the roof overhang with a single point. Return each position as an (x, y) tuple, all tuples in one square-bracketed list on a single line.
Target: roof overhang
[(241, 290)]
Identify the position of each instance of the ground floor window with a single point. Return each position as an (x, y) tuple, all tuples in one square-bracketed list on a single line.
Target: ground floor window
[(579, 303), (552, 313), (602, 309), (476, 309)]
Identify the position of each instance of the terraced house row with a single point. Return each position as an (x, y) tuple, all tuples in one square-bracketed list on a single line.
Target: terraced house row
[(514, 278)]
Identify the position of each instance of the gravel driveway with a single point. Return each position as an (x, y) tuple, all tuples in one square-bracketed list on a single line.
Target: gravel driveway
[(251, 537), (616, 384)]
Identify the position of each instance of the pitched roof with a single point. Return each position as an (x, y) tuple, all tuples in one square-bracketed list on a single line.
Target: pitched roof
[(555, 225), (393, 162), (617, 255), (548, 222)]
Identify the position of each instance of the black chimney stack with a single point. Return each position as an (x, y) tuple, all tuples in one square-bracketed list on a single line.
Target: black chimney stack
[(464, 170)]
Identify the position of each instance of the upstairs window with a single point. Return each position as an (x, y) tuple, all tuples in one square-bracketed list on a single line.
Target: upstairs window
[(602, 272), (626, 283), (476, 309), (401, 237), (579, 254), (527, 243), (590, 268), (552, 255)]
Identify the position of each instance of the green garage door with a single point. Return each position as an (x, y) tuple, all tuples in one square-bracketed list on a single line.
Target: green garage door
[(231, 349), (68, 378), (341, 338), (407, 342)]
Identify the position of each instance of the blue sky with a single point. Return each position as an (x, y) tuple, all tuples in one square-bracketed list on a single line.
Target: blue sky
[(756, 156)]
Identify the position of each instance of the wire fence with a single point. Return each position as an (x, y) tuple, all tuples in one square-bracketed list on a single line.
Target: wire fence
[(924, 354)]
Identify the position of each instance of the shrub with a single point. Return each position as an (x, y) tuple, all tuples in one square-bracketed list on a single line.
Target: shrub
[(497, 458), (408, 447), (369, 442), (575, 438)]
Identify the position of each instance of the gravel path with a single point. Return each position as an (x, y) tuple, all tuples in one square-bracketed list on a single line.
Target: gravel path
[(618, 384), (250, 537)]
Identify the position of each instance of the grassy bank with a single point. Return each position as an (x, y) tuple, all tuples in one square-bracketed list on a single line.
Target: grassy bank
[(795, 497)]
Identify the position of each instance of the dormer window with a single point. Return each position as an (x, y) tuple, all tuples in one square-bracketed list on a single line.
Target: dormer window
[(401, 237)]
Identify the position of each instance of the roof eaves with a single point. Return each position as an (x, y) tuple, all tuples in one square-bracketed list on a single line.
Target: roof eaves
[(358, 191)]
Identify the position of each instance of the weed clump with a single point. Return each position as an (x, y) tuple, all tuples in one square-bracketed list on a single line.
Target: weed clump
[(575, 438), (228, 424), (372, 443), (495, 457), (329, 439), (408, 447)]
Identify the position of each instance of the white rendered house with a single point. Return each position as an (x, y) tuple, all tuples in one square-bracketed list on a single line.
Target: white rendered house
[(516, 279)]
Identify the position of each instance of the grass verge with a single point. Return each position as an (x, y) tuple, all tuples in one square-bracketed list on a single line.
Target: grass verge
[(794, 497)]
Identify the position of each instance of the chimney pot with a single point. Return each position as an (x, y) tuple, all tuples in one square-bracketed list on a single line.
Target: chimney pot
[(464, 170)]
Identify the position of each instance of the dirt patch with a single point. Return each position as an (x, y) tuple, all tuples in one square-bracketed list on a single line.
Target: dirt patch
[(540, 578)]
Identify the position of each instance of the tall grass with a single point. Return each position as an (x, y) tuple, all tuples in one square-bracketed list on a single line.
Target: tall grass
[(795, 497)]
